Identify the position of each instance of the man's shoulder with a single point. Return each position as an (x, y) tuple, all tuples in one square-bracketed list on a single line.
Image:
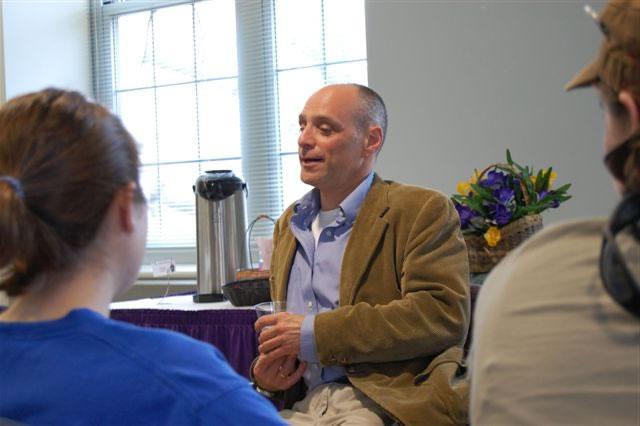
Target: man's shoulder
[(404, 199), (402, 192), (285, 217)]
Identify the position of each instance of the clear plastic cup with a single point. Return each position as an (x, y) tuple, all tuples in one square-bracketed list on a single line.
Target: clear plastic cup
[(268, 308)]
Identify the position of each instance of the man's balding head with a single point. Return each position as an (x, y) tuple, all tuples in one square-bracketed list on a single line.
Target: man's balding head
[(341, 132)]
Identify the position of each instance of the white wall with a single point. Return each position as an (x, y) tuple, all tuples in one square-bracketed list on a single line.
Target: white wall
[(46, 43), (464, 80)]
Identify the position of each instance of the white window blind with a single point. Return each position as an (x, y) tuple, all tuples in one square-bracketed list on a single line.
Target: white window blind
[(219, 84)]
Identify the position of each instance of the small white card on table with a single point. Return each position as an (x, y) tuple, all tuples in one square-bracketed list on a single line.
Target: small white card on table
[(163, 268)]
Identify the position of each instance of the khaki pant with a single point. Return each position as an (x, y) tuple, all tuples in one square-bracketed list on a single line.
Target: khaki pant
[(335, 404)]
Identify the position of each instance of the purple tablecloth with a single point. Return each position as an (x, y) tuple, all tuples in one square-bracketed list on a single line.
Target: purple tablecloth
[(231, 331)]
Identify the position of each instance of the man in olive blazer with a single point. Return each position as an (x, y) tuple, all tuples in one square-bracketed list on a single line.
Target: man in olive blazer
[(403, 309)]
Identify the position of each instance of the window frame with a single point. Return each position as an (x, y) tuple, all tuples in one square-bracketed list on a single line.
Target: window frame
[(248, 14)]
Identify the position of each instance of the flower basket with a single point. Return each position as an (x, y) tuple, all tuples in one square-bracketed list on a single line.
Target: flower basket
[(500, 206), (483, 258)]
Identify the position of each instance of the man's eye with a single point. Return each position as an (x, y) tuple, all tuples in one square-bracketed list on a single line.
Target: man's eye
[(326, 130), (301, 128)]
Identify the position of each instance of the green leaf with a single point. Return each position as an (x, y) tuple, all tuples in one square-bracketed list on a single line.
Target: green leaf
[(509, 159), (484, 193), (538, 184), (563, 188), (470, 202), (531, 209), (507, 169), (544, 183), (517, 189), (476, 206), (520, 212), (517, 166), (531, 191)]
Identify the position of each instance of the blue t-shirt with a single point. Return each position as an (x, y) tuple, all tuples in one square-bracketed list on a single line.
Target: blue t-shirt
[(87, 369)]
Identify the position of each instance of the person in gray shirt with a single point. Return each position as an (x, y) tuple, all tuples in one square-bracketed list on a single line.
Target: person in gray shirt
[(557, 328)]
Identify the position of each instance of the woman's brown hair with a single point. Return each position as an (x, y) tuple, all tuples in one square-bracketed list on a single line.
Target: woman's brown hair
[(65, 157)]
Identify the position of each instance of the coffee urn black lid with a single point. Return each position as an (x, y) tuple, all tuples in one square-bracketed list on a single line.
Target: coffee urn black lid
[(216, 185)]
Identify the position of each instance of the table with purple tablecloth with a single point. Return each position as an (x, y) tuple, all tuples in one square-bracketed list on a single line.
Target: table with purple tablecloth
[(228, 328)]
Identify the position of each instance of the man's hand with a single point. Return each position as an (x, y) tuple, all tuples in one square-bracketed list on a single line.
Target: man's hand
[(279, 374), (279, 335)]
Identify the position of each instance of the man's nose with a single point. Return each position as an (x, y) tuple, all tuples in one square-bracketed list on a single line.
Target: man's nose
[(305, 139)]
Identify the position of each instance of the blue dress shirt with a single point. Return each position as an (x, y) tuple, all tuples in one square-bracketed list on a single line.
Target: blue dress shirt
[(314, 280)]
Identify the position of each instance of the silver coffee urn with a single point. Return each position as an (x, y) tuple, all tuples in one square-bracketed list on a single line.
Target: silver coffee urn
[(220, 225)]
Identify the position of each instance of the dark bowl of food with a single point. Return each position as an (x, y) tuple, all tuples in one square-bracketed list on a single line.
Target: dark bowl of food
[(247, 292)]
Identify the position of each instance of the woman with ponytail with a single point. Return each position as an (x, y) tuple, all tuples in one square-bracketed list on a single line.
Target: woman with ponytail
[(73, 223)]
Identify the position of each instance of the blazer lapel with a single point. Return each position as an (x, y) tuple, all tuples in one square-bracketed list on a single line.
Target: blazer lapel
[(368, 230), (286, 252)]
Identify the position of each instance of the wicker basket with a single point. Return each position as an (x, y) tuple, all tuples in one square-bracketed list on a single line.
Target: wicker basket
[(482, 257)]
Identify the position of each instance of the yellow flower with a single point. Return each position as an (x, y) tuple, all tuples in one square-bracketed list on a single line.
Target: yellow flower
[(492, 236), (552, 178), (474, 178), (464, 188)]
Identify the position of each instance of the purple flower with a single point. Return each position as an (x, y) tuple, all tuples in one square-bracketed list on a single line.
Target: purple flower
[(495, 179), (500, 214), (504, 195), (466, 214), (543, 194)]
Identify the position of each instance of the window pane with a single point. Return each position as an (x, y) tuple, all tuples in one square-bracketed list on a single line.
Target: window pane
[(176, 205), (137, 110), (169, 192), (351, 72), (294, 188), (294, 88), (215, 24), (173, 44), (151, 188), (219, 113), (177, 136), (298, 33), (133, 64), (345, 35)]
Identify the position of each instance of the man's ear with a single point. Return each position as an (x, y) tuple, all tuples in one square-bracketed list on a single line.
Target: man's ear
[(633, 110), (374, 140), (124, 204)]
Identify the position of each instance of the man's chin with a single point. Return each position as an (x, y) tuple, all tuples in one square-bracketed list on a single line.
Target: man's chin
[(309, 179)]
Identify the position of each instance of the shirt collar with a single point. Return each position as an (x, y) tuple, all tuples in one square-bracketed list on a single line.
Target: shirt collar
[(350, 206), (307, 208)]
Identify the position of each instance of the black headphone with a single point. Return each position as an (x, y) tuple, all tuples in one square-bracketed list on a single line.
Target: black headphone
[(615, 274)]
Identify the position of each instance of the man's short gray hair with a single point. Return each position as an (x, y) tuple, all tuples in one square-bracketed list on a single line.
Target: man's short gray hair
[(372, 110)]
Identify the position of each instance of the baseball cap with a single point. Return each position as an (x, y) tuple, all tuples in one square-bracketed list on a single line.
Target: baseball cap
[(618, 61)]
